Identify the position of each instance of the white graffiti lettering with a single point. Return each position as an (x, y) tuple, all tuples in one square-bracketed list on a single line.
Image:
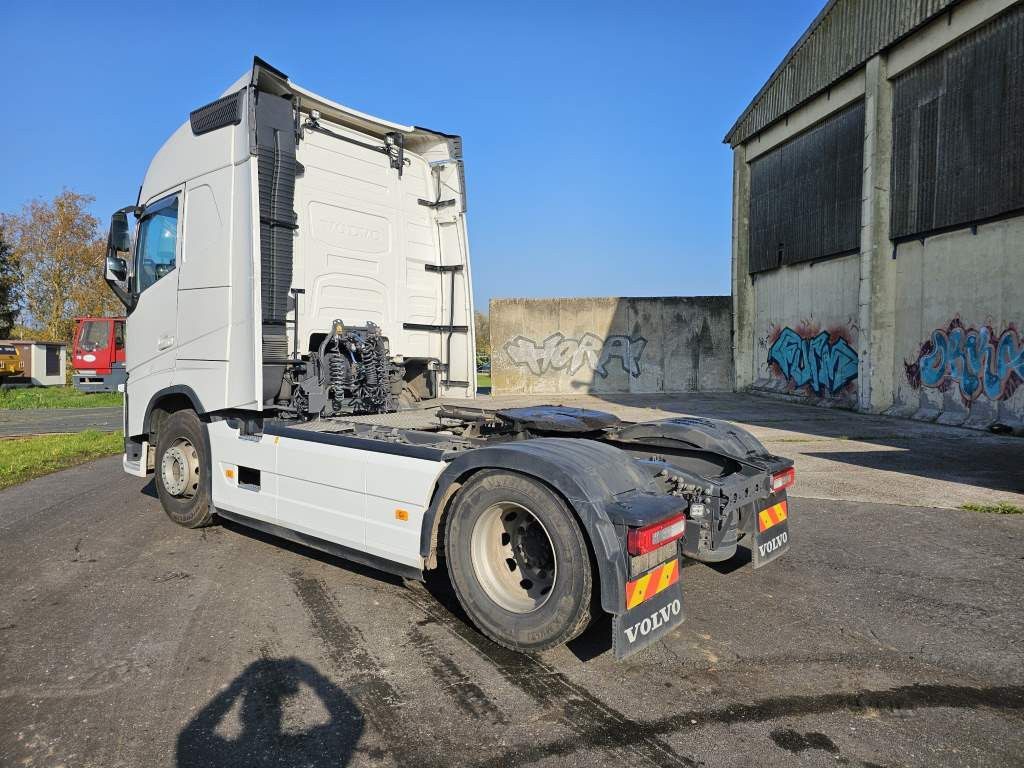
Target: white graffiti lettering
[(655, 620), (564, 353)]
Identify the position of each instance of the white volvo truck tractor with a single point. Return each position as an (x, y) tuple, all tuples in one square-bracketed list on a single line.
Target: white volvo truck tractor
[(300, 360)]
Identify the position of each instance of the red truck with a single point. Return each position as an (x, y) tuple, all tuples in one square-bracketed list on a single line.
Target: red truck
[(98, 354)]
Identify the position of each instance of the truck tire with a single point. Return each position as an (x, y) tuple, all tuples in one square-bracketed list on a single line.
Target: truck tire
[(182, 465), (518, 561)]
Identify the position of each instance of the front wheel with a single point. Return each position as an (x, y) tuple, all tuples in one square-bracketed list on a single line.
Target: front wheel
[(181, 467), (518, 561)]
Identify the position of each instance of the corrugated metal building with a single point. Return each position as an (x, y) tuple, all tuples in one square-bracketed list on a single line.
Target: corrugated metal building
[(878, 213)]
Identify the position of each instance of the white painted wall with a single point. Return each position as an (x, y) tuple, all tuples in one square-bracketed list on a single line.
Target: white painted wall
[(39, 377)]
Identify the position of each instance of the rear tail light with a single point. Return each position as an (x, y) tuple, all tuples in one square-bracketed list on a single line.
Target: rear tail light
[(782, 480), (640, 541)]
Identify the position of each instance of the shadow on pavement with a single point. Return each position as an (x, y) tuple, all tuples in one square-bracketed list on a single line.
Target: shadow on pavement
[(971, 465), (265, 731), (308, 552), (927, 450)]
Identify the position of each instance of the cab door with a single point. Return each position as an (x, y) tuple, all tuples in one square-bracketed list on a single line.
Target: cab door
[(151, 347)]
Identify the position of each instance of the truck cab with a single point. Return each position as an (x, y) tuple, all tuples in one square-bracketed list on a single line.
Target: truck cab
[(98, 354), (275, 219)]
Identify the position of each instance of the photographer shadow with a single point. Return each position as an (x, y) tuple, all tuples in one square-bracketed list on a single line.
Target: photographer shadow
[(263, 734)]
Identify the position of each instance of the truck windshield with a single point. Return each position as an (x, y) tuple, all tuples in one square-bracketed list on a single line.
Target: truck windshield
[(6, 351), (94, 335)]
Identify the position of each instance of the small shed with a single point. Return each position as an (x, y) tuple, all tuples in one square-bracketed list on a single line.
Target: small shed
[(45, 361)]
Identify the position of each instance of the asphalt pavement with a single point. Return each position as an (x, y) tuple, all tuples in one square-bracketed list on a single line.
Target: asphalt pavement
[(41, 421), (888, 635)]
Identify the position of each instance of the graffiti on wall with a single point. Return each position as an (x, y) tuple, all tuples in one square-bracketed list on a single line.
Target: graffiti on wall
[(822, 362), (976, 360), (565, 353)]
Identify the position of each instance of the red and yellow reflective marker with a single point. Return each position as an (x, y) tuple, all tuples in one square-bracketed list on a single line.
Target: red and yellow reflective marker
[(651, 583), (774, 515)]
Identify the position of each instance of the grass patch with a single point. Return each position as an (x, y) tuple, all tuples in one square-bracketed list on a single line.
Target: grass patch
[(1000, 508), (483, 380), (22, 458), (55, 397)]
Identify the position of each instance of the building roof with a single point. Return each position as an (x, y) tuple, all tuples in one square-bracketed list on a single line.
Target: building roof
[(839, 41)]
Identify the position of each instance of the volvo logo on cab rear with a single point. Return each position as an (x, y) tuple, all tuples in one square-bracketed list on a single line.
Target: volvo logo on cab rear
[(773, 544)]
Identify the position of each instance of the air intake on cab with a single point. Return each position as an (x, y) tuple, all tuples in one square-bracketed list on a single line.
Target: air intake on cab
[(275, 155)]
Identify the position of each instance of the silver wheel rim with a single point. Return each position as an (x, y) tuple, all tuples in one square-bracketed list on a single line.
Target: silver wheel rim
[(513, 557), (179, 469)]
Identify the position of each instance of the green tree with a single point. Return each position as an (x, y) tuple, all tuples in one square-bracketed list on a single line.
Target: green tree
[(59, 253), (483, 333), (10, 293)]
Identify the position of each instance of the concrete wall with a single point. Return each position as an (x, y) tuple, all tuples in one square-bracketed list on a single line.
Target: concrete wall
[(806, 319), (611, 345), (959, 356), (930, 332)]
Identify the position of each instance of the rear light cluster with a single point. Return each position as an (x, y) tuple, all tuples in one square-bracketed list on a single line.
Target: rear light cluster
[(640, 541), (782, 480)]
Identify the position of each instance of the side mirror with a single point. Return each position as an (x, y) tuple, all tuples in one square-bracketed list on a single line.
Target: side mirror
[(117, 269), (119, 245)]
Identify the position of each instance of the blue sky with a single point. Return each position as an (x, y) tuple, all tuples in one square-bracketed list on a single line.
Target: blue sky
[(592, 131)]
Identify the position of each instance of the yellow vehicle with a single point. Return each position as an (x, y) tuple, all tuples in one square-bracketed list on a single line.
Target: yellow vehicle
[(10, 362)]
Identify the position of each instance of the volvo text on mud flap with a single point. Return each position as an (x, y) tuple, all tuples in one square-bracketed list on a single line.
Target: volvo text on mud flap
[(654, 606), (771, 531)]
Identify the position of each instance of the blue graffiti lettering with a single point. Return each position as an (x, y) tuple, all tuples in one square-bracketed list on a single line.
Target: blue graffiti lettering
[(974, 360), (825, 367)]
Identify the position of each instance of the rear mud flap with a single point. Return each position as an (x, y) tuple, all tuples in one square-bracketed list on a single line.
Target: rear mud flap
[(649, 621), (771, 531)]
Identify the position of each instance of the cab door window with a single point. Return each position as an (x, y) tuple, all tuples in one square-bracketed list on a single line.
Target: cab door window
[(156, 255)]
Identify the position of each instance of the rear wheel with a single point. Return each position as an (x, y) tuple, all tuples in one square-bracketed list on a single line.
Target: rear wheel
[(518, 561), (181, 467)]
